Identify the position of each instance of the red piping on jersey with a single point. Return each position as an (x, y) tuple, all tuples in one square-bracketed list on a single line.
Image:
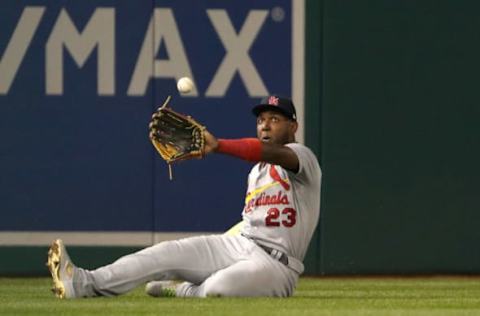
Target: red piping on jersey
[(275, 176)]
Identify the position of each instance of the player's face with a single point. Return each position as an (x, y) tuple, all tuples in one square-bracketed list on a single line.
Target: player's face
[(274, 128)]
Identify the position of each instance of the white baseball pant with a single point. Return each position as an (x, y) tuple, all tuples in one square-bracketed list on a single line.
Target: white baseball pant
[(216, 265)]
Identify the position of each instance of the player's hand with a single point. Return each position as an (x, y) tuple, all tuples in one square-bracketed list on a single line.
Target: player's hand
[(211, 143)]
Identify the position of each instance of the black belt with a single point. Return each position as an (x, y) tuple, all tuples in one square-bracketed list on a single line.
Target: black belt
[(276, 254)]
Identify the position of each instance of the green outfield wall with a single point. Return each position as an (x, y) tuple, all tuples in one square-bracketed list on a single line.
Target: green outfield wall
[(397, 108)]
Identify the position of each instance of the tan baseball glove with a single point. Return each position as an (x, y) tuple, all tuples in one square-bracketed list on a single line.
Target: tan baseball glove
[(176, 136)]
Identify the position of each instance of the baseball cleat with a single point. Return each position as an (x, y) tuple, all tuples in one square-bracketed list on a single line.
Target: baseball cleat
[(161, 288), (61, 268)]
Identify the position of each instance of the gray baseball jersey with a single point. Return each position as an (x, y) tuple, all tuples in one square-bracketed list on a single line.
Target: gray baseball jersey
[(282, 207)]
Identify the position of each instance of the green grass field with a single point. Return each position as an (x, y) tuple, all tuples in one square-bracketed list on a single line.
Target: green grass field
[(314, 296)]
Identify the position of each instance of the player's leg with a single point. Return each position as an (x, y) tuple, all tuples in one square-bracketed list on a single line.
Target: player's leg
[(167, 288), (192, 259), (260, 275)]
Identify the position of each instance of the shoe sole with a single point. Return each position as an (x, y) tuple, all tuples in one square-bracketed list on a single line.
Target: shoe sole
[(53, 264)]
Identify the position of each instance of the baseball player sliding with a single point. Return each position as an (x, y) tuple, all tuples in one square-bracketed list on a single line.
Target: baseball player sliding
[(281, 212)]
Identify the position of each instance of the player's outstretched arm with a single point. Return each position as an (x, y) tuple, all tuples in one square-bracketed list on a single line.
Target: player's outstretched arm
[(280, 155), (252, 149)]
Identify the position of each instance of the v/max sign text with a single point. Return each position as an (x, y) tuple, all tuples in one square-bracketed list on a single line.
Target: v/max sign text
[(98, 36)]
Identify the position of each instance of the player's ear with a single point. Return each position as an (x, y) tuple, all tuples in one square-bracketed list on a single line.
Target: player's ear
[(294, 126)]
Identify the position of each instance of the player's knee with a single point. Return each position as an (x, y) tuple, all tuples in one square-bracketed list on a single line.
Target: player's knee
[(215, 290), (218, 290), (233, 285)]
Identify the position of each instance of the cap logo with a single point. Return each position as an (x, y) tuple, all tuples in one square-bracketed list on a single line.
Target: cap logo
[(273, 100)]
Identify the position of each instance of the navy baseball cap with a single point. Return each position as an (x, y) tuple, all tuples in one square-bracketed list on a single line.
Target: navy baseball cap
[(276, 103)]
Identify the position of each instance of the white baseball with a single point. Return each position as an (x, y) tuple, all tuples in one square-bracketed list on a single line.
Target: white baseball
[(185, 85)]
